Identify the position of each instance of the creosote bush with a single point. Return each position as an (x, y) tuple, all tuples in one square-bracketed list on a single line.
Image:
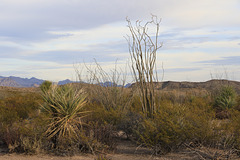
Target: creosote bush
[(21, 127), (175, 125)]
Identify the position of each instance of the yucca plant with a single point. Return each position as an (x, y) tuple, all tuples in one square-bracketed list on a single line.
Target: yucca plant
[(64, 106), (226, 98), (46, 85)]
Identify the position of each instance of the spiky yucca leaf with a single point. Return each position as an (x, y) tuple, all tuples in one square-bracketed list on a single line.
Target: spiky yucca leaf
[(64, 104), (226, 98)]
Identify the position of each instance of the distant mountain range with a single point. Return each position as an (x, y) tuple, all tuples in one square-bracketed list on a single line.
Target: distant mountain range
[(25, 82), (20, 82), (112, 84), (167, 85), (34, 82)]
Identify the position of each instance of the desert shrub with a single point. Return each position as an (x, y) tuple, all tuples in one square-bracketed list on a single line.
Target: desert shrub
[(121, 120), (135, 104), (202, 102), (17, 114), (231, 130), (71, 127), (226, 98), (103, 135), (237, 107), (100, 114), (21, 105), (92, 138), (103, 124), (130, 123), (25, 137), (64, 107), (175, 125), (176, 97), (110, 97), (45, 86), (108, 105), (131, 120), (106, 87)]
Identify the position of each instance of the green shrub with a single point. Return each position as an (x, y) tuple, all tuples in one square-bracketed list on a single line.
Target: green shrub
[(102, 116), (111, 97), (25, 137), (231, 129), (64, 106), (237, 107), (129, 123), (175, 125), (102, 135), (17, 115), (226, 98), (45, 86)]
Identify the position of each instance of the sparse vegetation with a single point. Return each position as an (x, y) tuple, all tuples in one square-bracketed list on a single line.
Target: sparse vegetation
[(89, 117), (183, 121)]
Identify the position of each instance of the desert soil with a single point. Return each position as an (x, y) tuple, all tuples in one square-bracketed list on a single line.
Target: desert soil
[(126, 150)]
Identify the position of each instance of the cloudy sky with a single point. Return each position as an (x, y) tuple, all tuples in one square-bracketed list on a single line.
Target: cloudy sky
[(45, 38)]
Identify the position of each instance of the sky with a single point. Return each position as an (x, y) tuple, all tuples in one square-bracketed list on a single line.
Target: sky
[(46, 39)]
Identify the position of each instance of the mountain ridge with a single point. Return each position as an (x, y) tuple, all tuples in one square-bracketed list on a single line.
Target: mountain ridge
[(18, 82)]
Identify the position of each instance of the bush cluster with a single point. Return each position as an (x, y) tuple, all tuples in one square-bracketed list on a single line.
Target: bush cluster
[(21, 124), (67, 120)]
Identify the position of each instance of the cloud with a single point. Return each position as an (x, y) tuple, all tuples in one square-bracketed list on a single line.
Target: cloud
[(31, 20), (13, 73), (199, 38), (174, 70), (39, 69), (61, 32), (233, 60), (102, 52), (70, 57)]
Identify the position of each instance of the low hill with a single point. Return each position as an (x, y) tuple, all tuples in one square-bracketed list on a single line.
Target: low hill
[(208, 85)]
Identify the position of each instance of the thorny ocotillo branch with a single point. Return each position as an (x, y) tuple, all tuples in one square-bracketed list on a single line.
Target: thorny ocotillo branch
[(143, 50)]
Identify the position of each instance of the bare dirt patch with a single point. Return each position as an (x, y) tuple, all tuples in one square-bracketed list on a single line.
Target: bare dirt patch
[(126, 150)]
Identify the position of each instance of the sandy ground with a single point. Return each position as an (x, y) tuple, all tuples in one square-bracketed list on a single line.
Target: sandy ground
[(92, 157), (171, 156), (125, 151)]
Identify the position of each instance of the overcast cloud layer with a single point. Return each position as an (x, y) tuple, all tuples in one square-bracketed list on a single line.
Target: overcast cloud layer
[(45, 38)]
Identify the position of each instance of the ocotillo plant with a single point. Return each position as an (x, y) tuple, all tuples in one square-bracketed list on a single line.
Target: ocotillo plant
[(143, 50)]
